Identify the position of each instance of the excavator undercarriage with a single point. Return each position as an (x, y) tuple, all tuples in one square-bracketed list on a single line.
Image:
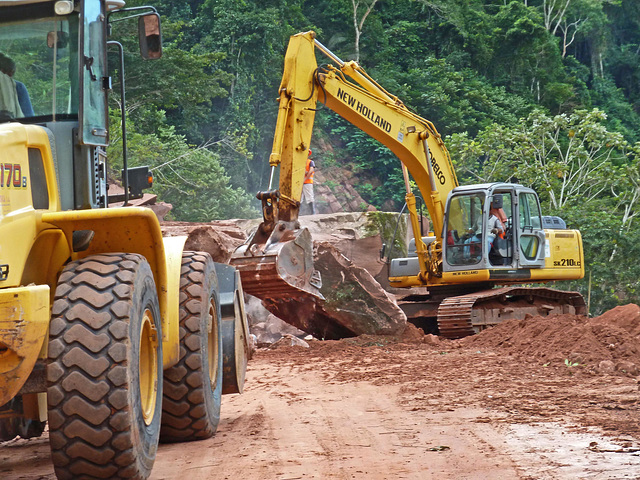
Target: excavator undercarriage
[(444, 312)]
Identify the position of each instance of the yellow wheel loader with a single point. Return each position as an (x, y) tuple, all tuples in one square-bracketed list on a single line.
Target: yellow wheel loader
[(114, 335), (458, 265)]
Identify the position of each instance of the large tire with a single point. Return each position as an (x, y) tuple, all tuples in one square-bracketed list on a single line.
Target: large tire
[(105, 369), (193, 387)]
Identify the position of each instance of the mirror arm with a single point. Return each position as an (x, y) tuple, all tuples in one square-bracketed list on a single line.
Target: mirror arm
[(143, 11)]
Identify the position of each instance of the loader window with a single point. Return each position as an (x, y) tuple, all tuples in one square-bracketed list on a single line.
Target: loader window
[(464, 229), (94, 102), (43, 52), (38, 180)]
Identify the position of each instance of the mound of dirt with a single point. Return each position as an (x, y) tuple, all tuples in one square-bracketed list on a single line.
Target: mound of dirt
[(605, 344)]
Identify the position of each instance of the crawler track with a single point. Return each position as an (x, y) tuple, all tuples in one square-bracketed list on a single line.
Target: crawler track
[(464, 315)]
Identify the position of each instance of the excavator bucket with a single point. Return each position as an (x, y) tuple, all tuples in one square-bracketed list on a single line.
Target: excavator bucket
[(276, 264)]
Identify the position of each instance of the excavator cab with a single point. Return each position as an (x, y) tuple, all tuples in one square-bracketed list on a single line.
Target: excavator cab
[(497, 228), (472, 212)]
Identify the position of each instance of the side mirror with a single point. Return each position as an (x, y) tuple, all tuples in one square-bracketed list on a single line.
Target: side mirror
[(150, 36)]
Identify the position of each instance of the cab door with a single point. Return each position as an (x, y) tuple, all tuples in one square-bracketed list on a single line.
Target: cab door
[(530, 234), (93, 96)]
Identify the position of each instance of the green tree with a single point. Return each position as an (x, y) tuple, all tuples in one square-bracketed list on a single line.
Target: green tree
[(188, 177), (568, 158)]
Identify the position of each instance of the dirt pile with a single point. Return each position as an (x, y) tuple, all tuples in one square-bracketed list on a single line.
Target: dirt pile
[(605, 344)]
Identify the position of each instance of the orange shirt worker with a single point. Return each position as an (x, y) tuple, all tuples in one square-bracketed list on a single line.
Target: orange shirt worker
[(308, 198)]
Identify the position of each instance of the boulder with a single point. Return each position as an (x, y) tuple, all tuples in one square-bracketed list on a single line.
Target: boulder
[(354, 302), (219, 239)]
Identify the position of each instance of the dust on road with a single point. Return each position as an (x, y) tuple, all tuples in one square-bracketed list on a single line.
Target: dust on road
[(506, 404)]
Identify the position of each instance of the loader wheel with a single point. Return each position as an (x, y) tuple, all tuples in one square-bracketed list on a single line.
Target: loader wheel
[(104, 373), (193, 387)]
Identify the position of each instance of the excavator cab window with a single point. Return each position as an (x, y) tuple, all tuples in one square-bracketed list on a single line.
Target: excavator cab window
[(530, 222), (501, 251), (464, 229)]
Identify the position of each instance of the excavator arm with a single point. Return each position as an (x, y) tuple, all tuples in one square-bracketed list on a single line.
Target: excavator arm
[(346, 89)]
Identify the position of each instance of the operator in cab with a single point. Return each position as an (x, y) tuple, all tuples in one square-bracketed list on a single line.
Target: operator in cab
[(8, 68), (495, 228)]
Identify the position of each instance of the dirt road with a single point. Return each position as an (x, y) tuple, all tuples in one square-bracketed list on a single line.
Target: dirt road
[(369, 408)]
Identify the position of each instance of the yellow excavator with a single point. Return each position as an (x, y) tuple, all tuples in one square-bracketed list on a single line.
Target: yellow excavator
[(467, 254), (115, 336)]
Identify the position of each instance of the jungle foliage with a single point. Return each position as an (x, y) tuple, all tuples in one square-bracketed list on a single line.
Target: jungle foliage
[(547, 91)]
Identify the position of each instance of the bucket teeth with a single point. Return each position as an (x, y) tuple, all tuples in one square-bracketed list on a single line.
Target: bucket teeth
[(280, 267)]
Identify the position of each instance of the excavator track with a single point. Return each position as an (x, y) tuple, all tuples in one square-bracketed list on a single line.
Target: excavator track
[(465, 315)]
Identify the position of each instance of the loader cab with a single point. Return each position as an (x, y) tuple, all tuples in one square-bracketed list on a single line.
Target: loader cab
[(59, 49), (471, 213)]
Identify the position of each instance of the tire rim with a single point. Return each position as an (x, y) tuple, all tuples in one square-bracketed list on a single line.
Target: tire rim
[(148, 365), (213, 345)]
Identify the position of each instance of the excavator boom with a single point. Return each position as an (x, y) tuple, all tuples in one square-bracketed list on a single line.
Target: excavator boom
[(263, 260)]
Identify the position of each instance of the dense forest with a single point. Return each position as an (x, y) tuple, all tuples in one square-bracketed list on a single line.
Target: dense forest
[(545, 91)]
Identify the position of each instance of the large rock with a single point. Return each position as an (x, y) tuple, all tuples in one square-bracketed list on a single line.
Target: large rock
[(353, 297), (219, 239), (355, 303)]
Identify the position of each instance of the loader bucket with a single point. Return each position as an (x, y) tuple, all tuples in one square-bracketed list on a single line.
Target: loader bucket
[(276, 264)]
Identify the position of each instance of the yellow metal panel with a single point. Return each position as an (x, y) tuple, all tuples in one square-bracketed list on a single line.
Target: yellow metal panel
[(19, 222), (15, 187), (125, 229), (24, 322), (14, 168), (48, 255), (173, 247), (564, 258), (17, 234)]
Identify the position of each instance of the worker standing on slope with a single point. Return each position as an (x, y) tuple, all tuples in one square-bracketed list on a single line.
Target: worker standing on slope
[(308, 198)]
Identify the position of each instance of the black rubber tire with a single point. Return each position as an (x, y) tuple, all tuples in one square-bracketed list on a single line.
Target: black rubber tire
[(103, 304), (191, 403)]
